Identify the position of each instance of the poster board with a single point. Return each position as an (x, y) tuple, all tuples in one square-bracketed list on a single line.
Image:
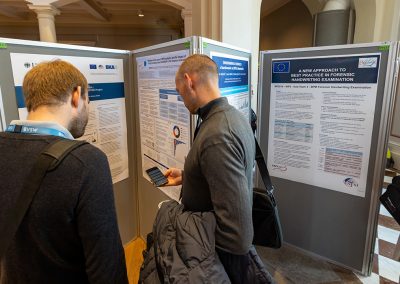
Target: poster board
[(136, 198), (18, 55), (163, 122), (107, 124), (162, 117), (308, 96)]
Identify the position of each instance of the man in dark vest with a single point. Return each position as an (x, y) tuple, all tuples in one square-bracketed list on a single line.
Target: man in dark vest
[(69, 233)]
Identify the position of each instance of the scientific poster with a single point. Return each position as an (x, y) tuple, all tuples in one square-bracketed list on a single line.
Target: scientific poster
[(107, 120), (164, 119), (233, 82), (321, 116)]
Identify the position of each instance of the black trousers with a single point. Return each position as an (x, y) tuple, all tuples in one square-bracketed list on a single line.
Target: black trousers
[(246, 268)]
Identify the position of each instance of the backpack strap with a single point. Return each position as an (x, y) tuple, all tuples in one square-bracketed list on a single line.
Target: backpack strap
[(48, 160)]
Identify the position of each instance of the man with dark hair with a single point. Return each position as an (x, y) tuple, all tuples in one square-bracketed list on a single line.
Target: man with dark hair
[(218, 170), (69, 233)]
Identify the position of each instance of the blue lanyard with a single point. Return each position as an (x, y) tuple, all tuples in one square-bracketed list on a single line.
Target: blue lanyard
[(35, 130)]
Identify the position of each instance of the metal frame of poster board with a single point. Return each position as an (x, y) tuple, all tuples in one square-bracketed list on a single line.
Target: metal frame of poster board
[(395, 126), (2, 116), (148, 195), (124, 191), (335, 226)]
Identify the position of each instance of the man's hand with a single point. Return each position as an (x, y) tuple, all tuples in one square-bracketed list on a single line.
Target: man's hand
[(174, 176)]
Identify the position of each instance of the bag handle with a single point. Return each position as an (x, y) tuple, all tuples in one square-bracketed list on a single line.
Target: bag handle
[(48, 160)]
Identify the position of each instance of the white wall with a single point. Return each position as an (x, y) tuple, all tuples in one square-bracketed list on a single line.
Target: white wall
[(241, 27)]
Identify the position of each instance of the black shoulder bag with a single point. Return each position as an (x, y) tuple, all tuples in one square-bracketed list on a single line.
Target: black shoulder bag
[(266, 224), (48, 160), (391, 198)]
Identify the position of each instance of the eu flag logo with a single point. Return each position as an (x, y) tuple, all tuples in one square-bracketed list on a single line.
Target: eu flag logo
[(281, 67)]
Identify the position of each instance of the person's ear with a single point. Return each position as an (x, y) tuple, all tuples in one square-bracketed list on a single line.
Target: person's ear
[(76, 97), (188, 80)]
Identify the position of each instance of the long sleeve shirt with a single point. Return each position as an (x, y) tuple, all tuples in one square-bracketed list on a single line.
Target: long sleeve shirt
[(218, 174)]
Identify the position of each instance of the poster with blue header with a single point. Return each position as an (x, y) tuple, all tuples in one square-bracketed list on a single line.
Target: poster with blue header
[(164, 120), (321, 119), (106, 128), (233, 79)]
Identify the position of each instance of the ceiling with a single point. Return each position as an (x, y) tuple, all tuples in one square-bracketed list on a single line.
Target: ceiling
[(98, 13)]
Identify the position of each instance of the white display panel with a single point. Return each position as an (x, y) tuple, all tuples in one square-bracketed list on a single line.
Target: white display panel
[(164, 119), (107, 119), (321, 120), (233, 79)]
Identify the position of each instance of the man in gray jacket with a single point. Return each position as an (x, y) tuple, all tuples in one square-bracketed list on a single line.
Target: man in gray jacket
[(218, 170)]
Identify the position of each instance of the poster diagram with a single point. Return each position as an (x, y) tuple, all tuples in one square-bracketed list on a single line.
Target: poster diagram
[(233, 82), (106, 128), (164, 119), (321, 117)]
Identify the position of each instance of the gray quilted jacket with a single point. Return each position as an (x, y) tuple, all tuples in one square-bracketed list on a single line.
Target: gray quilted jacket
[(182, 248)]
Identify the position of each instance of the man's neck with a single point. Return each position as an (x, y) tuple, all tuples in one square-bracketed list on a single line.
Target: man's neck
[(208, 95), (44, 113)]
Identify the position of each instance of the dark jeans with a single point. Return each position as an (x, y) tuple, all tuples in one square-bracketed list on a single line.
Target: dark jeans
[(246, 268)]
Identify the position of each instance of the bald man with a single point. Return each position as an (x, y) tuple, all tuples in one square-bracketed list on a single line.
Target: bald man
[(218, 171)]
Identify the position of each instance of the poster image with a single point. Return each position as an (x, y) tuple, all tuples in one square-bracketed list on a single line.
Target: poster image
[(106, 128)]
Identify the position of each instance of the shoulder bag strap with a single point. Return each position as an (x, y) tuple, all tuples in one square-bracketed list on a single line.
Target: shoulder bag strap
[(262, 167), (48, 160)]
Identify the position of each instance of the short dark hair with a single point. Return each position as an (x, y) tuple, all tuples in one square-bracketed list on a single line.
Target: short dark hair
[(51, 83), (200, 64)]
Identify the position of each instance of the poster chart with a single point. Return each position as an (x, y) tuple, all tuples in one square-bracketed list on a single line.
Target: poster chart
[(164, 119), (321, 118), (233, 79), (106, 128)]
